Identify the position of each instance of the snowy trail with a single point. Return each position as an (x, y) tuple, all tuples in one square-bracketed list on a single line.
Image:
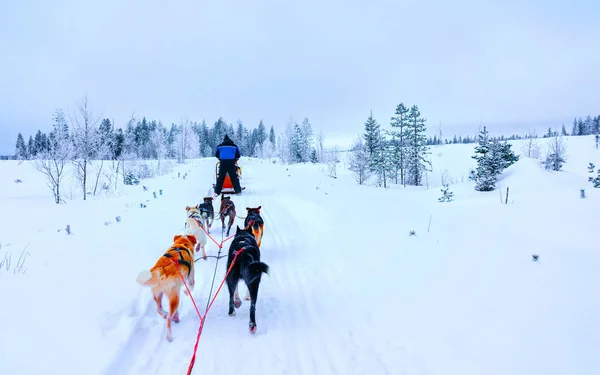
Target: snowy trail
[(296, 308)]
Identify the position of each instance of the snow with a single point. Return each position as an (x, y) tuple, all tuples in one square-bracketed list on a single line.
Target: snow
[(349, 290)]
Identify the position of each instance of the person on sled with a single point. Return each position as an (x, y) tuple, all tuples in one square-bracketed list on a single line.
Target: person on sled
[(228, 154)]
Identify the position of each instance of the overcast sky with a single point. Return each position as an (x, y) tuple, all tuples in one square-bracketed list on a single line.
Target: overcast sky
[(510, 64)]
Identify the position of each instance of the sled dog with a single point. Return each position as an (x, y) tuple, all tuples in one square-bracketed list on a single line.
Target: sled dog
[(207, 213), (193, 226), (254, 219), (247, 267), (165, 277), (227, 209)]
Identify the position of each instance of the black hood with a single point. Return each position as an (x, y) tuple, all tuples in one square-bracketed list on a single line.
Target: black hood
[(227, 141)]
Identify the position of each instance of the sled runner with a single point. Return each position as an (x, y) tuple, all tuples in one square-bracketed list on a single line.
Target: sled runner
[(227, 184)]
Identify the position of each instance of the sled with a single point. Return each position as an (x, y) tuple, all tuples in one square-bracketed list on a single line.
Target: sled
[(227, 184)]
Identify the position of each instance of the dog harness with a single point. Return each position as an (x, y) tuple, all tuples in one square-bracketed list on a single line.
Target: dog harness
[(181, 260), (228, 206), (195, 217)]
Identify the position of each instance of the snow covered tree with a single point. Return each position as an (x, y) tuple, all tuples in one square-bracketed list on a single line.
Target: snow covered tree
[(381, 161), (261, 133), (359, 161), (416, 147), (507, 156), (272, 135), (307, 139), (556, 155), (563, 130), (85, 141), (21, 148), (486, 172), (320, 146), (400, 135), (52, 162), (160, 143), (530, 147), (31, 152), (371, 135)]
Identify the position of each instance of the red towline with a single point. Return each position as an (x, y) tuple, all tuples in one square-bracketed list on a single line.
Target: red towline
[(203, 317)]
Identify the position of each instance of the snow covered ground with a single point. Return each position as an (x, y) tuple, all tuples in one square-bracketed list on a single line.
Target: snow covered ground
[(350, 290)]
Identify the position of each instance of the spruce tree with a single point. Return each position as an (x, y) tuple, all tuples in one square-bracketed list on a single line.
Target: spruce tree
[(399, 124), (21, 148), (371, 135), (485, 176), (417, 150)]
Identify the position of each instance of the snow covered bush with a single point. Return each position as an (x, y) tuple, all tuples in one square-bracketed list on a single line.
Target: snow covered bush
[(555, 157), (447, 195), (359, 162), (492, 158)]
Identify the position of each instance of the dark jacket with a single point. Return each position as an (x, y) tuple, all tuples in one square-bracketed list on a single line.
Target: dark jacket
[(227, 150)]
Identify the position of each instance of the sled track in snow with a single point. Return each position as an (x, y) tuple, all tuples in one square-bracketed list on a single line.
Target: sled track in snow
[(294, 335)]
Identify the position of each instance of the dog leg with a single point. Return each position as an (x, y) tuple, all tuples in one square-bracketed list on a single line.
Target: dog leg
[(253, 288), (173, 316), (237, 302), (247, 298), (203, 251), (232, 292), (159, 309)]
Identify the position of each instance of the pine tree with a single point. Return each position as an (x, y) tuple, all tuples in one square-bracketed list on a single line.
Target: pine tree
[(107, 137), (485, 176), (417, 150), (563, 131), (261, 133), (556, 156), (272, 135), (371, 135), (381, 160), (31, 151), (400, 122), (21, 148)]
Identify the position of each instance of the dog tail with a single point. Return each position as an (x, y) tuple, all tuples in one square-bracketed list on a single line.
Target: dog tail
[(255, 269), (149, 278)]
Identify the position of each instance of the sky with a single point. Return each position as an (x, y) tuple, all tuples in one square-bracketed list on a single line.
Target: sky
[(512, 65)]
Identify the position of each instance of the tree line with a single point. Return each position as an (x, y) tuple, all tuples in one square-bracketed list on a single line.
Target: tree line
[(396, 155)]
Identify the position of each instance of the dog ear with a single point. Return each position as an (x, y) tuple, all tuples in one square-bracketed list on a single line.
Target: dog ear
[(258, 209), (177, 236), (192, 239), (187, 208), (248, 208), (198, 206), (238, 229)]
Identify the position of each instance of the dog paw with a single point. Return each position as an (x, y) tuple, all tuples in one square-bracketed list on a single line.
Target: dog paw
[(232, 313), (252, 328), (169, 337), (176, 318), (237, 303), (247, 298)]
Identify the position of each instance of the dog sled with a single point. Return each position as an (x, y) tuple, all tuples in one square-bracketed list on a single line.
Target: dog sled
[(227, 184)]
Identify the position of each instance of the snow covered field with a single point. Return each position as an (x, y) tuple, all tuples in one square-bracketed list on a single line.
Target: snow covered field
[(350, 290)]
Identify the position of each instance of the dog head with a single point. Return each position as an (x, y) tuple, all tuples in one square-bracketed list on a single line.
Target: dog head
[(193, 210), (208, 199), (255, 210), (188, 241), (243, 231)]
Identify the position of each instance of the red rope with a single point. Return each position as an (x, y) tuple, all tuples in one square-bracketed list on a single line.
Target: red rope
[(202, 318)]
